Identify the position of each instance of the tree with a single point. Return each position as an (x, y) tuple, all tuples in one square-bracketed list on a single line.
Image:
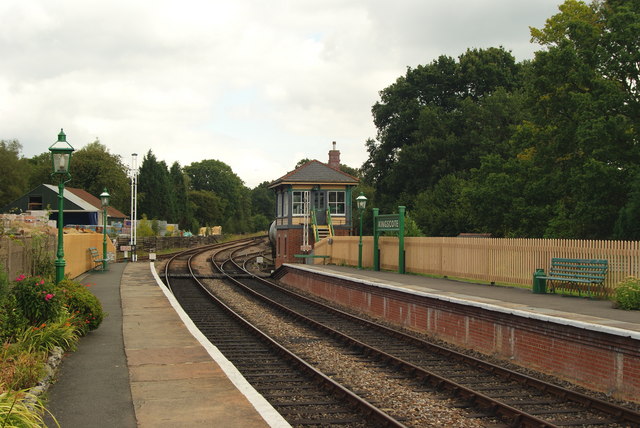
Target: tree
[(40, 170), (302, 162), (156, 196), (209, 207), (263, 200), (15, 172), (544, 148), (584, 118), (439, 119), (144, 228), (627, 226), (217, 177), (93, 169), (443, 209), (184, 209)]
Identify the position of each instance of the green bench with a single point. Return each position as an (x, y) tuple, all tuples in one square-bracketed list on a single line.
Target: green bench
[(311, 256), (570, 273), (95, 257)]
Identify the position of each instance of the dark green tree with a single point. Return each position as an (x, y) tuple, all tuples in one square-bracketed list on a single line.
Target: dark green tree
[(209, 208), (583, 119), (15, 172), (184, 208), (40, 170), (439, 119), (263, 200), (443, 209), (217, 177), (93, 169), (156, 195), (627, 225)]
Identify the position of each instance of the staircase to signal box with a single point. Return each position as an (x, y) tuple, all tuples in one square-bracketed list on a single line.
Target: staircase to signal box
[(321, 231)]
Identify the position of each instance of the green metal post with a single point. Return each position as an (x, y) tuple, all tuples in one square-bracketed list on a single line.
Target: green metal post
[(401, 210), (60, 263), (376, 255), (104, 239)]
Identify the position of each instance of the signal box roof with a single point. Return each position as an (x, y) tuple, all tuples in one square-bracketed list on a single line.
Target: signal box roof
[(315, 172)]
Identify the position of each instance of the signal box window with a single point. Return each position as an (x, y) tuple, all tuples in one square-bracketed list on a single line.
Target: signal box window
[(337, 204)]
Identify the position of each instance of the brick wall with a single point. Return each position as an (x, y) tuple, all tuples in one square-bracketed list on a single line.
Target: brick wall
[(289, 242), (595, 360)]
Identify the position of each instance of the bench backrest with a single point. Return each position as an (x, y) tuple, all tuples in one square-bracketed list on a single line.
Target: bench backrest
[(587, 269)]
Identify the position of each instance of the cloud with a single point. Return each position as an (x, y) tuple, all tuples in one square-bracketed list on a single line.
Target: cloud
[(257, 85)]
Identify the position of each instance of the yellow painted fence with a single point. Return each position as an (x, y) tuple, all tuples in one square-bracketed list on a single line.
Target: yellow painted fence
[(509, 261), (76, 252)]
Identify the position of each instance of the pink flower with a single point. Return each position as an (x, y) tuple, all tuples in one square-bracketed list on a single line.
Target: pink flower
[(41, 282), (49, 297), (20, 278)]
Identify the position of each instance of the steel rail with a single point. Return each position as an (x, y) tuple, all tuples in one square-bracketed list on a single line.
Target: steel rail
[(371, 413)]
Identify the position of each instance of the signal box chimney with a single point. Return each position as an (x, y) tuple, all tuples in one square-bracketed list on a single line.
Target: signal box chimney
[(334, 157)]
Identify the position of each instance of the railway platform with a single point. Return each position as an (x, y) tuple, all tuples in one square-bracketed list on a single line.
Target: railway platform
[(581, 340), (147, 366), (583, 312)]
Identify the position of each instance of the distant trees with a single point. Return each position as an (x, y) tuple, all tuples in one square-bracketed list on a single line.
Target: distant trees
[(440, 119), (544, 148), (156, 193), (15, 172), (263, 204), (205, 193), (218, 178), (93, 169)]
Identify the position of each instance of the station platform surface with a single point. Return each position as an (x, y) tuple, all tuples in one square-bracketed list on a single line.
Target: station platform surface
[(582, 312), (148, 366)]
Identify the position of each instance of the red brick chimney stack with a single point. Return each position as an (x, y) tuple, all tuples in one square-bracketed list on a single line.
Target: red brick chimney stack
[(334, 157)]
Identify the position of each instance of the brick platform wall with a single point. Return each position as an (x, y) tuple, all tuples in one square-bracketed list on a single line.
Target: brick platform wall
[(595, 360)]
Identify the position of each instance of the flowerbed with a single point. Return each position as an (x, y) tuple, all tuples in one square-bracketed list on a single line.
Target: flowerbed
[(36, 317)]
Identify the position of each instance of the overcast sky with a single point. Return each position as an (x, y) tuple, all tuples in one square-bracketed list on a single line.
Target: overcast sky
[(258, 85)]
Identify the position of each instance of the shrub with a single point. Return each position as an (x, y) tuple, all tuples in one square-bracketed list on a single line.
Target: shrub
[(21, 409), (38, 299), (41, 256), (20, 369), (84, 307), (4, 284), (47, 336), (628, 294), (12, 319), (22, 360)]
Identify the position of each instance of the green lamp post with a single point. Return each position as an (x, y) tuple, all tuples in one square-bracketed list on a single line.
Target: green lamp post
[(361, 202), (104, 198), (60, 161)]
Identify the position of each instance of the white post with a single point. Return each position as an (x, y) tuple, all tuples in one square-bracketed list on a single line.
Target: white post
[(133, 174)]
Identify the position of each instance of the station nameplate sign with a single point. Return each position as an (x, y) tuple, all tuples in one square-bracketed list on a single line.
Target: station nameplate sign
[(388, 222)]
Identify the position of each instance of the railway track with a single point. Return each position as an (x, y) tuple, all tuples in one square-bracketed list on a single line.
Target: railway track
[(300, 393), (516, 399)]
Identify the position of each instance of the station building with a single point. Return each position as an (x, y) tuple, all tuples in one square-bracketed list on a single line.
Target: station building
[(80, 207), (313, 202)]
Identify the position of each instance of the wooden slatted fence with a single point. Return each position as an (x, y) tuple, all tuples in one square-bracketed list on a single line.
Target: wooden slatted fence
[(509, 261)]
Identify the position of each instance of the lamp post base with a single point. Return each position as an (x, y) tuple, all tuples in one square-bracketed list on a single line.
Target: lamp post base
[(60, 264)]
